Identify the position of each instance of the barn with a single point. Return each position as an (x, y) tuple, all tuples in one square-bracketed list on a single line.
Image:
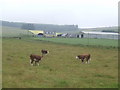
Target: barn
[(99, 35), (39, 33), (59, 34)]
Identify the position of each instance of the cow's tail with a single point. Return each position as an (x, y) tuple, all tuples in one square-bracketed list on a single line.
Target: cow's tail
[(89, 56)]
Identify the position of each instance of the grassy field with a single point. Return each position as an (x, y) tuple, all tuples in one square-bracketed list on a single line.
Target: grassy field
[(83, 41), (58, 69), (13, 32)]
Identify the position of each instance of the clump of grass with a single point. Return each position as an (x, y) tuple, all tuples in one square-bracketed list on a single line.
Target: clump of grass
[(106, 66), (103, 76), (8, 59)]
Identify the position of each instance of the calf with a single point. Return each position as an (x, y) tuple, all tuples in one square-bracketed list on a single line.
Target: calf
[(35, 58), (44, 52), (84, 57)]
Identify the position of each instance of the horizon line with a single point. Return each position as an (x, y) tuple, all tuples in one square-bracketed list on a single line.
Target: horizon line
[(60, 24)]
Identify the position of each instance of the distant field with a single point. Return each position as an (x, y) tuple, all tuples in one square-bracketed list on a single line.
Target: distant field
[(13, 32), (114, 29), (58, 69), (84, 41)]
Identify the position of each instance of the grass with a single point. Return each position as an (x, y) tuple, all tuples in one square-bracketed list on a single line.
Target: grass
[(83, 41), (13, 32), (58, 69)]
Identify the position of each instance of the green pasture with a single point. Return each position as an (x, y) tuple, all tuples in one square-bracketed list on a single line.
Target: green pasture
[(83, 41), (14, 32), (58, 69)]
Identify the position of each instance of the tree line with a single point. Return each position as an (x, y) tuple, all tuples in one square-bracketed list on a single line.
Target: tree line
[(44, 27)]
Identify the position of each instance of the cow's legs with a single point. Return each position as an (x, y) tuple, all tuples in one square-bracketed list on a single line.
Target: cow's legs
[(38, 63), (82, 60), (35, 62), (88, 61)]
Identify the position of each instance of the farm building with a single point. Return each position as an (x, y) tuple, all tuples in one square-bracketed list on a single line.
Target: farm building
[(49, 34), (37, 32), (53, 34), (101, 35), (58, 34)]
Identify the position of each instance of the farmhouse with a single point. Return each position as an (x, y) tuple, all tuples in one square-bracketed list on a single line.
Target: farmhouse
[(49, 34), (101, 35), (52, 34)]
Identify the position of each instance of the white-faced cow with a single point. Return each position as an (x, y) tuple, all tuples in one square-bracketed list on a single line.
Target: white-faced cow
[(84, 57), (35, 58), (44, 52)]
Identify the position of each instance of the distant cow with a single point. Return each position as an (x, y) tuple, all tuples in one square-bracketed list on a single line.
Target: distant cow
[(35, 58), (84, 57), (44, 52)]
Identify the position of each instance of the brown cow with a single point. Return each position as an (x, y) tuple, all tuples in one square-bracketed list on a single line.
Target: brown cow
[(35, 58), (84, 57), (44, 52)]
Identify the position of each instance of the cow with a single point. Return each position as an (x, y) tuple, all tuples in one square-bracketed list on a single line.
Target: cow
[(84, 57), (44, 52), (35, 58)]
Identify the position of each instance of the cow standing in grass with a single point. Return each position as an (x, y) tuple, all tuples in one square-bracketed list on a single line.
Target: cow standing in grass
[(44, 52), (84, 57), (35, 58)]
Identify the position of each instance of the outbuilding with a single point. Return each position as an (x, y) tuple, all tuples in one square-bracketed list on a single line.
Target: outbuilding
[(105, 35)]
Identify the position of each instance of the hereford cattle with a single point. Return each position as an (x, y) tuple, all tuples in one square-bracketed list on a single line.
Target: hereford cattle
[(84, 57), (44, 52), (35, 58)]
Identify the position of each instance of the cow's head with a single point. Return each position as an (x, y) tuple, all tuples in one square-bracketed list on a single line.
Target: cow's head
[(77, 57), (47, 51)]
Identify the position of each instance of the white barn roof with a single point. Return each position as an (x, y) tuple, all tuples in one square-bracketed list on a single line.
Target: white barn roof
[(106, 33)]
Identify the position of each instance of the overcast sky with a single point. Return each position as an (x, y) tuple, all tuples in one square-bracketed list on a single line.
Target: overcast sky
[(84, 13)]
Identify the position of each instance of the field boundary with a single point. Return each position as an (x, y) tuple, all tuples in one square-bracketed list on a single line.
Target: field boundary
[(78, 44)]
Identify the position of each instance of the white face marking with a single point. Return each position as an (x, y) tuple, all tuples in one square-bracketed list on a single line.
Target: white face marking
[(76, 57), (30, 60), (48, 51)]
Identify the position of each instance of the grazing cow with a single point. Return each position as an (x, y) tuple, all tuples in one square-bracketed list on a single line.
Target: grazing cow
[(44, 52), (84, 57), (35, 58)]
